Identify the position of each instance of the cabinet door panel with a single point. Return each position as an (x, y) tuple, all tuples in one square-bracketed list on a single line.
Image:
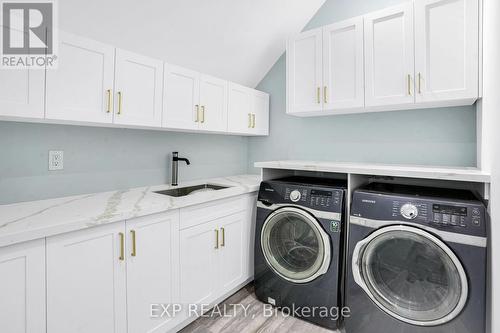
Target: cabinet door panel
[(78, 89), (150, 269), (446, 49), (22, 287), (389, 56), (233, 251), (240, 109), (213, 103), (198, 264), (304, 72), (343, 65), (138, 85), (181, 95), (260, 109), (21, 90), (84, 272)]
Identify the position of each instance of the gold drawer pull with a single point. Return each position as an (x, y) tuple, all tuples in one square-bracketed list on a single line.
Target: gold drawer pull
[(409, 84), (122, 246), (119, 102), (197, 108), (216, 239), (249, 120), (223, 237), (202, 114), (134, 247), (253, 120), (108, 110), (318, 97), (419, 83), (325, 98)]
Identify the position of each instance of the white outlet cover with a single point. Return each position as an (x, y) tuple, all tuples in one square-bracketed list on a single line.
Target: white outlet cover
[(56, 160)]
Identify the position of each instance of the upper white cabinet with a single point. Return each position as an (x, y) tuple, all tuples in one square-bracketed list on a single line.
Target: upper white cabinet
[(22, 287), (96, 83), (194, 101), (446, 45), (81, 88), (21, 91), (389, 56), (181, 96), (343, 82), (416, 55), (213, 103), (325, 69), (87, 270), (248, 111), (305, 72), (138, 87)]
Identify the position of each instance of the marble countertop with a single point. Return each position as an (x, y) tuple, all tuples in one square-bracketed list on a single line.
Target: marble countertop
[(412, 171), (37, 219)]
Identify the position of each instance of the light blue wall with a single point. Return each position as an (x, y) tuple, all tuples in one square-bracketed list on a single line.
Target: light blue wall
[(445, 136), (101, 159)]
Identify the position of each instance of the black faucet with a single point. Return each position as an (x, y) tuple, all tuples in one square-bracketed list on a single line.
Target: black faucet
[(175, 166)]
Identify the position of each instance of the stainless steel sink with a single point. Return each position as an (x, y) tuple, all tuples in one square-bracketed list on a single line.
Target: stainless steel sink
[(183, 191)]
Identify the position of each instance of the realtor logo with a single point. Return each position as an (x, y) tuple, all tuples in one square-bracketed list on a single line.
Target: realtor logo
[(28, 34)]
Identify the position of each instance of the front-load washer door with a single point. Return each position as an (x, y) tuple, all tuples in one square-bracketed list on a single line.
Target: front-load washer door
[(411, 275), (294, 245)]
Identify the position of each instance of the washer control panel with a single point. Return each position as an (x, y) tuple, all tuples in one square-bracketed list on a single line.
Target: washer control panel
[(315, 198), (454, 215)]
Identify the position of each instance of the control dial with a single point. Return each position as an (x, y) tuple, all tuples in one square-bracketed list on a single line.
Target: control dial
[(409, 211), (295, 195)]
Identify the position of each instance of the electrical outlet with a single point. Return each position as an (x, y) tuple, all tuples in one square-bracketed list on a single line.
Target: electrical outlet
[(56, 160)]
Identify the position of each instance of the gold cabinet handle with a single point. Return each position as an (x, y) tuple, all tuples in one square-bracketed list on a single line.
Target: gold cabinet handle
[(202, 114), (134, 247), (253, 120), (409, 84), (119, 102), (108, 110), (122, 246), (223, 243), (216, 239), (197, 108), (249, 120), (419, 83), (325, 98), (318, 97)]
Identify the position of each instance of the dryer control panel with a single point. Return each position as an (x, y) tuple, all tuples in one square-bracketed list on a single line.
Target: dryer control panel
[(447, 213)]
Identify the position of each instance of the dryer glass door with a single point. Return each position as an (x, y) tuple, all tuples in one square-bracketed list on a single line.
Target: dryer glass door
[(295, 246), (411, 275)]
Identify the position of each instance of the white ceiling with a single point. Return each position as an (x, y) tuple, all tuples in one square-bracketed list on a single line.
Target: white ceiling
[(238, 40)]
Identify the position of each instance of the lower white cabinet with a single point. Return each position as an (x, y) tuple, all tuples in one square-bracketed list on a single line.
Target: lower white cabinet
[(109, 278), (86, 281), (150, 260), (22, 287)]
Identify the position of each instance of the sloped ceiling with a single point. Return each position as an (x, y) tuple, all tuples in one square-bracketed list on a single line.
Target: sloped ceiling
[(238, 40)]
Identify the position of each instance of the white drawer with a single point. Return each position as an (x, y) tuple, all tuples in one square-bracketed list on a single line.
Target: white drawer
[(198, 214)]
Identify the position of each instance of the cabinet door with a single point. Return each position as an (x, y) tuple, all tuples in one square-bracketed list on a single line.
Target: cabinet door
[(86, 288), (198, 263), (389, 56), (260, 113), (213, 103), (149, 269), (181, 98), (233, 260), (343, 77), (446, 33), (138, 85), (240, 109), (80, 89), (22, 287), (21, 90), (304, 72)]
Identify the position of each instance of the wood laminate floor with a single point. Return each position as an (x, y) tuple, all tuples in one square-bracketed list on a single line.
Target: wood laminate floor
[(251, 320)]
